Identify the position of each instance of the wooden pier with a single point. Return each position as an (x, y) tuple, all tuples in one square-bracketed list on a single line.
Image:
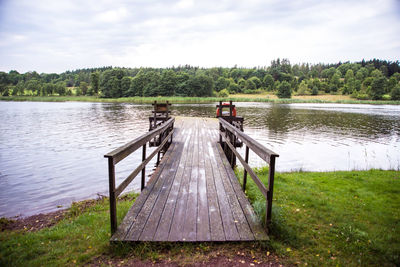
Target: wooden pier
[(193, 195)]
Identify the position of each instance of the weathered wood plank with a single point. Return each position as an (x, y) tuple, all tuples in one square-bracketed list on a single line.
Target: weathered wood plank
[(178, 220), (166, 217), (216, 227), (203, 221), (244, 230), (252, 219), (190, 224), (154, 218), (130, 217), (141, 219), (229, 225)]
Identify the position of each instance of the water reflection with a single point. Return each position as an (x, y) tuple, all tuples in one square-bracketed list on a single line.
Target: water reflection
[(52, 153)]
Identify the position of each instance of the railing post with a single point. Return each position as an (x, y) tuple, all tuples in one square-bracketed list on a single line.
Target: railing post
[(220, 133), (233, 157), (270, 189), (113, 199), (144, 168), (245, 171)]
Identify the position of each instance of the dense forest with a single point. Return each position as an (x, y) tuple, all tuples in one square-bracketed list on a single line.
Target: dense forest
[(373, 79)]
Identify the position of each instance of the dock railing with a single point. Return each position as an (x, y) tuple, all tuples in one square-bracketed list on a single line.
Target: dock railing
[(232, 134), (165, 132)]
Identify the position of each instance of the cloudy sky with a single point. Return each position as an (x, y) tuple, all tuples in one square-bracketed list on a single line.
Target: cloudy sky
[(60, 35)]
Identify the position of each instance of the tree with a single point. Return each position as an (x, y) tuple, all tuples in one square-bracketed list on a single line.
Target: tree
[(168, 83), (4, 81), (20, 87), (125, 85), (377, 88), (137, 85), (200, 85), (395, 93), (60, 89), (182, 88), (242, 84), (362, 74), (303, 89), (94, 81), (233, 88), (110, 84), (83, 86), (335, 82), (396, 76), (328, 73), (268, 82), (221, 83), (284, 90), (349, 75), (376, 73), (151, 83), (257, 82), (249, 85), (34, 86), (391, 84)]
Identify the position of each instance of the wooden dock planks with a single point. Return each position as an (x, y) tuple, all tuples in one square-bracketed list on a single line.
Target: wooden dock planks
[(193, 195)]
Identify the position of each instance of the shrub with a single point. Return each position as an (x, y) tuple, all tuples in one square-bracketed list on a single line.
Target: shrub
[(223, 93), (284, 90), (314, 91), (233, 88), (362, 96)]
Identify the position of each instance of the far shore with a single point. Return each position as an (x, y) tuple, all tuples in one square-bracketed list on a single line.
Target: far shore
[(265, 97)]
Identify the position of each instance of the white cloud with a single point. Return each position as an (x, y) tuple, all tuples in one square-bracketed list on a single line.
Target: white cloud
[(112, 16), (58, 35)]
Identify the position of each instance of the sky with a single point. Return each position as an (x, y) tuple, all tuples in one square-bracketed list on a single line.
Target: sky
[(59, 35)]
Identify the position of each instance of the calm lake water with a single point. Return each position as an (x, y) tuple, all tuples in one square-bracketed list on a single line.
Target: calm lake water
[(52, 153)]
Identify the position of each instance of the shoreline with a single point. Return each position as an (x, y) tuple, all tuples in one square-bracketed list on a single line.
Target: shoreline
[(92, 201), (325, 99)]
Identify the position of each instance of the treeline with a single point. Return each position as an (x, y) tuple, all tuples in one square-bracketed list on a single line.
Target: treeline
[(373, 79)]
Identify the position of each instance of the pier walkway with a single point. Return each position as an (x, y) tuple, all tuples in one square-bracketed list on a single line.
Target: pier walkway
[(193, 195)]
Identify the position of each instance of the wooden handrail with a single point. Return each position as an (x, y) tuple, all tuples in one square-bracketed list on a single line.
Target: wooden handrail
[(165, 130), (122, 152), (233, 133), (258, 148)]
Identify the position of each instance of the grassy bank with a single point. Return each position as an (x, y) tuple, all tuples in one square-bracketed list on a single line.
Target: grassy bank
[(334, 218), (319, 219), (198, 100)]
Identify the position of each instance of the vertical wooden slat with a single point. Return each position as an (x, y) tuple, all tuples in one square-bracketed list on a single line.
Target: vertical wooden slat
[(245, 171), (113, 201), (158, 158), (230, 108), (144, 169), (270, 188)]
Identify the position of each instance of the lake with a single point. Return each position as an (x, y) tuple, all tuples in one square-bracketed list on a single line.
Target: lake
[(52, 153)]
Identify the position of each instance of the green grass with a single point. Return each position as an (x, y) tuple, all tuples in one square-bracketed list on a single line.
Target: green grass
[(82, 238), (319, 219), (335, 218), (82, 235), (184, 100)]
